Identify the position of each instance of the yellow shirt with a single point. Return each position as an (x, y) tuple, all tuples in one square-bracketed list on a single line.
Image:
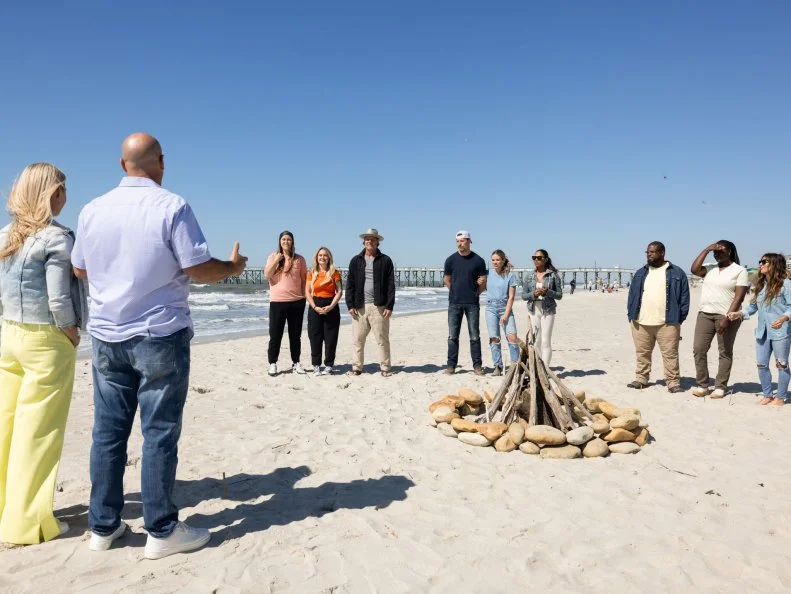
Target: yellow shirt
[(654, 303)]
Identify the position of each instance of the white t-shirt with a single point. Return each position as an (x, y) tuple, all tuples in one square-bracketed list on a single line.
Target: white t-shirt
[(719, 288), (654, 302)]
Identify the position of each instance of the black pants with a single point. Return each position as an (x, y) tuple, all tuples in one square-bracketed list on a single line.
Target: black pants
[(281, 312), (323, 329)]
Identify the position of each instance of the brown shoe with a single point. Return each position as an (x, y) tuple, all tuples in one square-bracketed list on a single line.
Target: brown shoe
[(478, 371), (498, 371), (450, 370)]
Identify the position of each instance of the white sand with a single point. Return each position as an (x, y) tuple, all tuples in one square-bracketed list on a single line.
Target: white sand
[(339, 484)]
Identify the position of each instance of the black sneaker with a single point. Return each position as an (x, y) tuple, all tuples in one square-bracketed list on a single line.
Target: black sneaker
[(675, 390)]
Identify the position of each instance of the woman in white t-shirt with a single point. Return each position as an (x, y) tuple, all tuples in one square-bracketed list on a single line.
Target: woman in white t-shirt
[(724, 288)]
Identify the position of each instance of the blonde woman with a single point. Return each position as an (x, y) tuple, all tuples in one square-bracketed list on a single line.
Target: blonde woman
[(43, 307), (323, 291)]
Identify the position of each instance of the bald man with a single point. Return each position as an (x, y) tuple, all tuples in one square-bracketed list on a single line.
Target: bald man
[(139, 246)]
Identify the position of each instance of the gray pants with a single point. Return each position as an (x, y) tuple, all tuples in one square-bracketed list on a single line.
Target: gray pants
[(705, 331)]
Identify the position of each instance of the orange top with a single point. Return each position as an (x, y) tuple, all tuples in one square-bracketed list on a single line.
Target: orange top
[(321, 288)]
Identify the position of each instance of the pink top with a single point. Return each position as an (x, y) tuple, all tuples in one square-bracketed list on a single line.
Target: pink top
[(288, 286)]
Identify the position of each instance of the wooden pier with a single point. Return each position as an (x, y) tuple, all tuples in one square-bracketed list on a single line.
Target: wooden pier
[(432, 277)]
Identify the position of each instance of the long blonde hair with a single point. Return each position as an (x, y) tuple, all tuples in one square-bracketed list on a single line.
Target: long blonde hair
[(316, 269), (29, 203)]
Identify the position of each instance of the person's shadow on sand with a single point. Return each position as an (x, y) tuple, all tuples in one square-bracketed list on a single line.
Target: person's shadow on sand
[(287, 503)]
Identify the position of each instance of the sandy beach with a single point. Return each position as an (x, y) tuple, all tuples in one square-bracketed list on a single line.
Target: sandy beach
[(340, 484)]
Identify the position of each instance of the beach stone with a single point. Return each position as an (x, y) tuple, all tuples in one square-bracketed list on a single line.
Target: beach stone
[(592, 404), (580, 395), (625, 447), (464, 425), (468, 409), (610, 410), (628, 422), (470, 396), (474, 439), (516, 433), (504, 444), (632, 411), (596, 448), (433, 423), (618, 435), (545, 435), (579, 436), (643, 424), (523, 422), (601, 427), (600, 417), (492, 431), (528, 447), (488, 396), (444, 414), (642, 437), (447, 430), (451, 401), (564, 452)]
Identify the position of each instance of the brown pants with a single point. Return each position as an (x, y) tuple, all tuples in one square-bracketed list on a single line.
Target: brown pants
[(667, 336), (370, 319), (705, 331)]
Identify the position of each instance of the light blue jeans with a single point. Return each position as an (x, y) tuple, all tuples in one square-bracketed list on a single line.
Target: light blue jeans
[(494, 311), (764, 347)]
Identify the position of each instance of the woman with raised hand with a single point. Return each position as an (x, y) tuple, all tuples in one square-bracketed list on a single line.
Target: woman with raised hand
[(323, 291), (500, 293), (43, 307), (771, 299), (724, 288), (542, 288), (286, 272)]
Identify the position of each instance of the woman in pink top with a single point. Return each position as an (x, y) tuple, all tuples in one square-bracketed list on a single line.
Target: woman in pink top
[(286, 272)]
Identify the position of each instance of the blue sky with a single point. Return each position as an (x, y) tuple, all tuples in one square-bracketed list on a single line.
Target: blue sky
[(533, 125)]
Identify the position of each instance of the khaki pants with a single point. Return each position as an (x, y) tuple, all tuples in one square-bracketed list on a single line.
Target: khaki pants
[(371, 319), (667, 336), (705, 331)]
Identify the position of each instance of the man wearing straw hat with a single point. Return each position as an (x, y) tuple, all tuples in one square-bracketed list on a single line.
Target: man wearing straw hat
[(370, 297)]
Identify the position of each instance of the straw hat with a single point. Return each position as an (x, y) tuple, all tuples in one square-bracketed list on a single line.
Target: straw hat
[(372, 232)]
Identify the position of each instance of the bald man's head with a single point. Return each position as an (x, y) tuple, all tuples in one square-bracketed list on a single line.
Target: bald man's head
[(141, 156)]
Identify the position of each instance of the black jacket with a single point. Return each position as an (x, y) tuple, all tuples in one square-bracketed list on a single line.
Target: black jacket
[(384, 282)]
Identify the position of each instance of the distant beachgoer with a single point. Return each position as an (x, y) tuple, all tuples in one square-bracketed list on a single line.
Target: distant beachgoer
[(542, 288), (370, 298), (465, 276), (286, 272), (139, 246), (323, 291), (657, 305), (500, 293), (771, 299), (43, 307), (724, 289), (572, 285)]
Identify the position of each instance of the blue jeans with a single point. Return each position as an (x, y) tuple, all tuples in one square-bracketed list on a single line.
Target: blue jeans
[(154, 373), (764, 347), (495, 311), (455, 313)]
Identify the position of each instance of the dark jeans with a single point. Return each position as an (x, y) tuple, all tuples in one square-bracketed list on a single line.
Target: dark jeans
[(153, 373), (455, 313), (323, 329), (705, 331), (281, 312)]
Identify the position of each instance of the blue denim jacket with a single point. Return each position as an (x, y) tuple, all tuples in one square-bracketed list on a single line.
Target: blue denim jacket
[(769, 312), (677, 286), (551, 281), (37, 285)]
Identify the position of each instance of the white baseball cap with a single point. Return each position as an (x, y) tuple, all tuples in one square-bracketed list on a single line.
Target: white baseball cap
[(463, 234)]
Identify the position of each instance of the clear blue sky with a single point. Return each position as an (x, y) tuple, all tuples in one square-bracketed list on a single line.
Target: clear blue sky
[(530, 124)]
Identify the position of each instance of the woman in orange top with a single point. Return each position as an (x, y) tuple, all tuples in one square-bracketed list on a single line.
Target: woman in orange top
[(323, 291)]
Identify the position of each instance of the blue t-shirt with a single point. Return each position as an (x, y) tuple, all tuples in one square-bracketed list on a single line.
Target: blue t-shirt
[(464, 272), (497, 286)]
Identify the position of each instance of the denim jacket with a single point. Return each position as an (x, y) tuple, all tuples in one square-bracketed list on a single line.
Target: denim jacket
[(769, 312), (551, 281), (677, 287), (37, 285)]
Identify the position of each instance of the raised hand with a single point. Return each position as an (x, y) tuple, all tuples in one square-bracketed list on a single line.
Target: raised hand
[(238, 261)]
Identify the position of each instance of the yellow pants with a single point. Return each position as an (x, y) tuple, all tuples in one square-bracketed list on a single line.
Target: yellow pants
[(36, 381)]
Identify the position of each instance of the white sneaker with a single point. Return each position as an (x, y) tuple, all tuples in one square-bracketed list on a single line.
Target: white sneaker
[(273, 369), (102, 543), (700, 392), (717, 393), (297, 368), (184, 538), (316, 371), (64, 528), (327, 370)]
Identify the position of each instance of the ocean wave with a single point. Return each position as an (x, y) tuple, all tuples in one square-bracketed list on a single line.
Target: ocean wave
[(217, 307)]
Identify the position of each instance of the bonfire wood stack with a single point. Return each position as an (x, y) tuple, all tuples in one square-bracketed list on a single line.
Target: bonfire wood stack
[(534, 411)]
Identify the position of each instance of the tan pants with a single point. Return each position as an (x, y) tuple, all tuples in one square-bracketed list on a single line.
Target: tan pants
[(371, 319), (667, 336)]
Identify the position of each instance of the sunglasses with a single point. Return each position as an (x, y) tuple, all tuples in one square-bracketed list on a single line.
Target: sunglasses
[(538, 257), (762, 262)]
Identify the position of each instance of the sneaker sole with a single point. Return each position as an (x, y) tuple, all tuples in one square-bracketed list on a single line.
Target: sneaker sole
[(185, 549)]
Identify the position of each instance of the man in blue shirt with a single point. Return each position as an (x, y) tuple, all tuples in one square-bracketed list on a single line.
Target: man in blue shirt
[(465, 276), (139, 246)]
